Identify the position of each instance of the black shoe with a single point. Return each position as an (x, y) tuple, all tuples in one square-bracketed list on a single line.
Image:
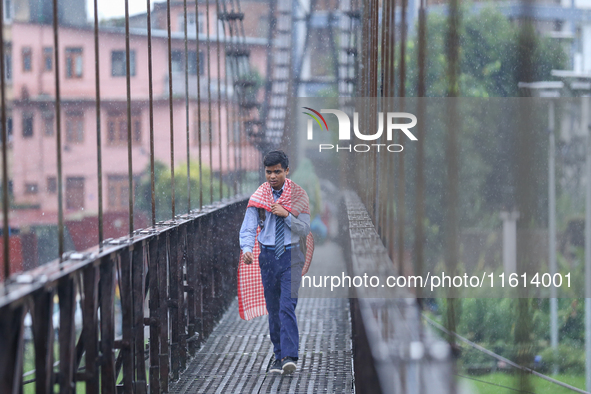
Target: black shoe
[(289, 365), (276, 367)]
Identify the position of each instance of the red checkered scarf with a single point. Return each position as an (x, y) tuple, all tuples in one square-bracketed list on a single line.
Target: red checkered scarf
[(251, 297)]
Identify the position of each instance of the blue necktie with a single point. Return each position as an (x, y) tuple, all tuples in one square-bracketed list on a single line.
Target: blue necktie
[(279, 248), (279, 229)]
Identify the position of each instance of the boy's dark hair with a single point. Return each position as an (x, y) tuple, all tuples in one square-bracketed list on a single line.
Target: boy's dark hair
[(276, 157)]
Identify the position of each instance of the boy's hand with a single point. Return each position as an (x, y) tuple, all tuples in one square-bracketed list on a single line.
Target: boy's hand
[(248, 258), (277, 209)]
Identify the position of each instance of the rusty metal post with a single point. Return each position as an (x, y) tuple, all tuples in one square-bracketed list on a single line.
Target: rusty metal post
[(182, 305), (192, 333), (90, 328), (11, 343), (174, 303), (107, 324), (163, 258), (198, 281), (525, 196), (127, 343), (451, 159), (138, 297), (154, 300), (43, 336), (67, 335)]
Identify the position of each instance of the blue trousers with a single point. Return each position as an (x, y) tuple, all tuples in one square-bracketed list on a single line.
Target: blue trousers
[(281, 280)]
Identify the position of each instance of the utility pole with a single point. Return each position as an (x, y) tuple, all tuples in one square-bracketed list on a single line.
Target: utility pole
[(551, 90)]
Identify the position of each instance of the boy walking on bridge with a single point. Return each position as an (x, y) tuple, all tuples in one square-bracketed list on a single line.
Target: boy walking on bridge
[(275, 235)]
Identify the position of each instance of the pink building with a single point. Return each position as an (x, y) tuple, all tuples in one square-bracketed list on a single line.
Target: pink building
[(34, 166), (255, 16)]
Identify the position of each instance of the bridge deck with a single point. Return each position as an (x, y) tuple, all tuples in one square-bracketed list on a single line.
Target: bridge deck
[(236, 356)]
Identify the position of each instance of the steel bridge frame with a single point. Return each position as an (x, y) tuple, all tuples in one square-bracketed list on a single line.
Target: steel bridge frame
[(185, 270)]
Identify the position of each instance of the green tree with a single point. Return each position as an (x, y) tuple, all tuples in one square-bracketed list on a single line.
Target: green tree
[(305, 176), (495, 55), (489, 56), (162, 189), (489, 64)]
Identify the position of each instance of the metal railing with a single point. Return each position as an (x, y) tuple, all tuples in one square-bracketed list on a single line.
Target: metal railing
[(392, 351), (184, 270), (379, 180)]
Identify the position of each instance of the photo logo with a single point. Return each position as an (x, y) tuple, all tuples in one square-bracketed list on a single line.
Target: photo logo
[(316, 119), (391, 120)]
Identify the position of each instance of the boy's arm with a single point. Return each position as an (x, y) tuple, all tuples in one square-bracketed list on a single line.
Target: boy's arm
[(299, 226), (248, 231)]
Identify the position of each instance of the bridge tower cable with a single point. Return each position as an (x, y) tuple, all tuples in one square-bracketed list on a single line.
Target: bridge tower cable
[(244, 83), (170, 103), (5, 202), (420, 165), (199, 124), (58, 124), (128, 102), (187, 122), (288, 72), (209, 113), (219, 97)]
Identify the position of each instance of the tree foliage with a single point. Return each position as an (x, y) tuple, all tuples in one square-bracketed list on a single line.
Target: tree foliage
[(490, 55), (490, 69), (163, 191)]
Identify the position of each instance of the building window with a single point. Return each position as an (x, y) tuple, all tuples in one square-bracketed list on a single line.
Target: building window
[(206, 137), (263, 26), (236, 133), (202, 22), (51, 184), (75, 127), (119, 66), (47, 58), (204, 129), (136, 125), (75, 193), (117, 128), (190, 22), (320, 62), (7, 10), (48, 121), (73, 62), (208, 133), (8, 66), (9, 128), (27, 124), (27, 59), (193, 63), (178, 61), (118, 192), (31, 188)]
